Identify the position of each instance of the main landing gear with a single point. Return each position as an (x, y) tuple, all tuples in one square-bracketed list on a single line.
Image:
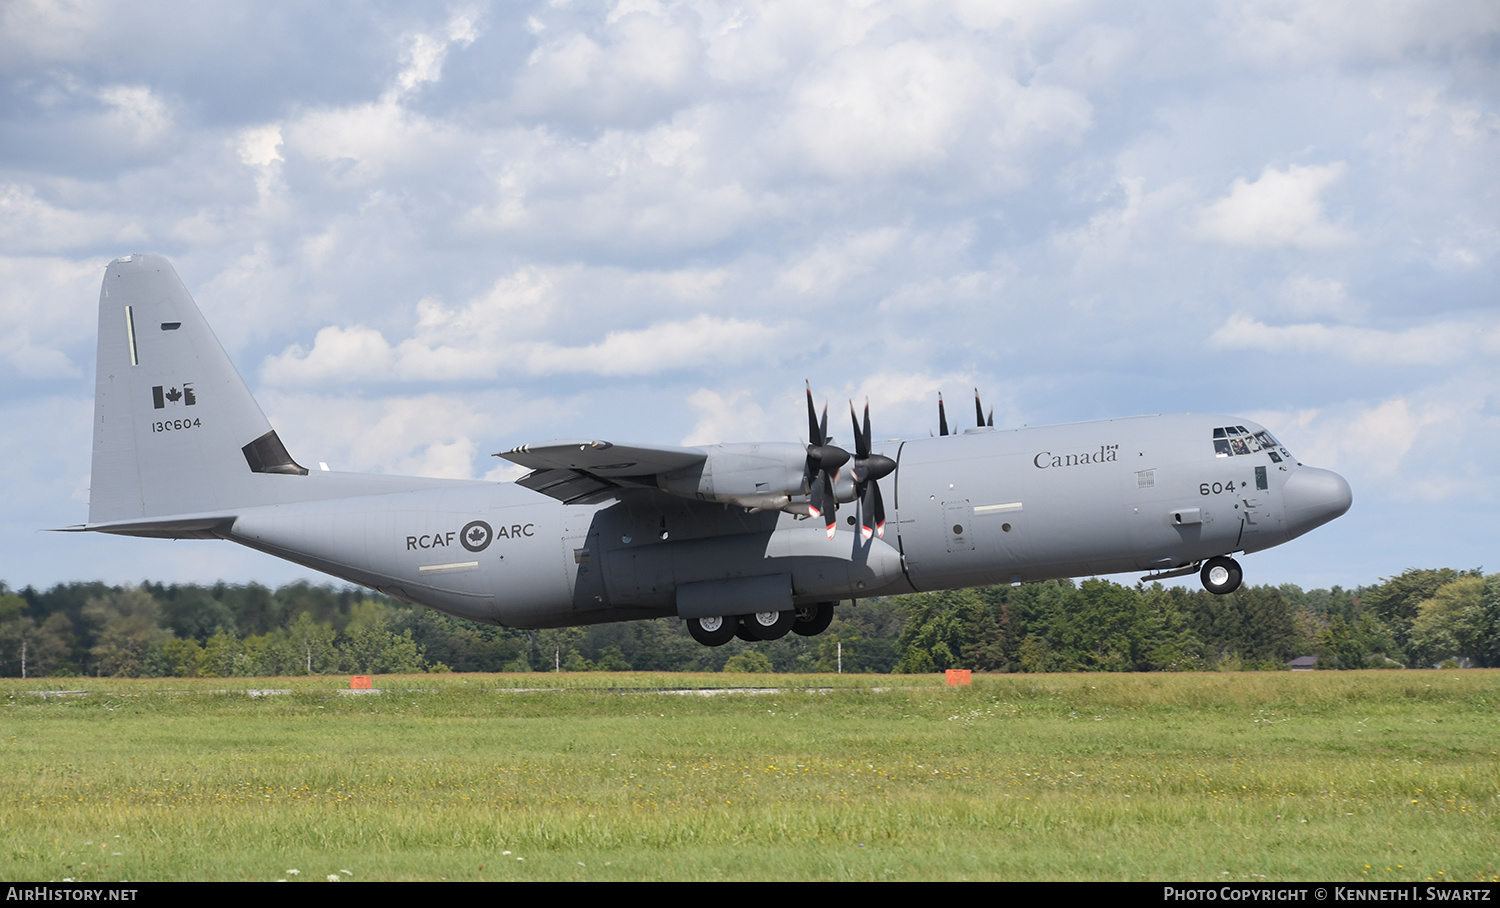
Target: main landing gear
[(1221, 575), (806, 620)]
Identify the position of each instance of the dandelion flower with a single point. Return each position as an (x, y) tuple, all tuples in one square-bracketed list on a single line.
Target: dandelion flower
[(333, 878)]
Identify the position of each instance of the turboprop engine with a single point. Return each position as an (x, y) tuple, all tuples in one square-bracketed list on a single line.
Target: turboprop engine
[(756, 476)]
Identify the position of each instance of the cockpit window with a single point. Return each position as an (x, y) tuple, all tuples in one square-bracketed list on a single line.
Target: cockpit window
[(1231, 441)]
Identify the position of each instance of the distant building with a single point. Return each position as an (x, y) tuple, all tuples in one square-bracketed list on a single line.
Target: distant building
[(1303, 663)]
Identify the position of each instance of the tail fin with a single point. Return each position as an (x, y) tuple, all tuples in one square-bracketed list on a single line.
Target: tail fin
[(175, 429)]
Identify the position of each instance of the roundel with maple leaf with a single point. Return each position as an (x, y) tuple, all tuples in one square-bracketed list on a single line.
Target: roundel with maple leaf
[(476, 536)]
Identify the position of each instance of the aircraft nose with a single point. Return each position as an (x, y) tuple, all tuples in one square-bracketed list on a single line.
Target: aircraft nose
[(1314, 497)]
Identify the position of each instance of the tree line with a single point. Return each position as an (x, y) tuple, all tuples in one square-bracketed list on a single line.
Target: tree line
[(1420, 618)]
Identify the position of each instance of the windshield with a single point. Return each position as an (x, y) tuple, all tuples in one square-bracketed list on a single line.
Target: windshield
[(1232, 441)]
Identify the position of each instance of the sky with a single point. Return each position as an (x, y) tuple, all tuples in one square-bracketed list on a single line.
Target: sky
[(429, 232)]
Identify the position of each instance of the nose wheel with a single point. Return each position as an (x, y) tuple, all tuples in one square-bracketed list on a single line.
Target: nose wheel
[(1221, 575)]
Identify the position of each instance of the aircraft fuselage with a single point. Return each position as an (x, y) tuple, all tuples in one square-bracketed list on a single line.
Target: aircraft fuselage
[(990, 506)]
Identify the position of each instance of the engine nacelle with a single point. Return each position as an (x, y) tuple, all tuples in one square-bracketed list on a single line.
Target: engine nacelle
[(843, 487), (761, 476)]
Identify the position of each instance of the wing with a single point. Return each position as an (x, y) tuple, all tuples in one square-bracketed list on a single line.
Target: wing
[(573, 470)]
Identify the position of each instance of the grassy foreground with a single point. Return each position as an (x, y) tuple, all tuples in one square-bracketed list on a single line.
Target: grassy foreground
[(1218, 777)]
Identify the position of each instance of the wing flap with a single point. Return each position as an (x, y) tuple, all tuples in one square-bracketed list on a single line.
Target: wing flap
[(567, 486)]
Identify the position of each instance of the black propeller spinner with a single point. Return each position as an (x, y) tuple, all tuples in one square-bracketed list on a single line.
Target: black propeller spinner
[(868, 468), (823, 461)]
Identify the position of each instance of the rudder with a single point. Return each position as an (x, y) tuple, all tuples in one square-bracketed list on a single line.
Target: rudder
[(176, 430)]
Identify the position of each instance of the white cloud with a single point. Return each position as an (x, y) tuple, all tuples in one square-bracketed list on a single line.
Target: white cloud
[(440, 353), (1445, 342), (1282, 208), (260, 146), (136, 113), (365, 141), (832, 264), (1432, 444), (1286, 32), (1304, 296), (873, 111), (430, 435), (733, 416), (338, 354), (30, 223), (49, 30), (370, 139), (629, 69), (49, 304), (425, 51)]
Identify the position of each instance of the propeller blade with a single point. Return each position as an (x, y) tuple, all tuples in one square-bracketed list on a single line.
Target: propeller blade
[(831, 513), (869, 467), (814, 435), (823, 460), (991, 421), (978, 409), (867, 510), (866, 445), (942, 415)]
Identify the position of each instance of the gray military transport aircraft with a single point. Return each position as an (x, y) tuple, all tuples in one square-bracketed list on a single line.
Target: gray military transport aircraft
[(735, 539)]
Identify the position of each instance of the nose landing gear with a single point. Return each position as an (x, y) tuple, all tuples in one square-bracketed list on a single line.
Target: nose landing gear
[(1221, 575)]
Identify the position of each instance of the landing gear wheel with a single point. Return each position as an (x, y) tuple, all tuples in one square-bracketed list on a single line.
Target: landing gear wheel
[(712, 631), (1221, 575), (812, 619), (770, 625)]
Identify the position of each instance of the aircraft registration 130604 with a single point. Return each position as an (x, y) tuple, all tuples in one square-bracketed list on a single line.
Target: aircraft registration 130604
[(735, 539)]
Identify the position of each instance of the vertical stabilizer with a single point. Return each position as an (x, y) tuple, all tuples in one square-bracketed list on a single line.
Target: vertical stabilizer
[(175, 429)]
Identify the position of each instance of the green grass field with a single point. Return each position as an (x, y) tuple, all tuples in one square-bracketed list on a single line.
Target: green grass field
[(1217, 777)]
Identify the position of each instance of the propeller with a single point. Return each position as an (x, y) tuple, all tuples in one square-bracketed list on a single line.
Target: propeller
[(868, 469), (823, 461), (980, 419), (979, 412)]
